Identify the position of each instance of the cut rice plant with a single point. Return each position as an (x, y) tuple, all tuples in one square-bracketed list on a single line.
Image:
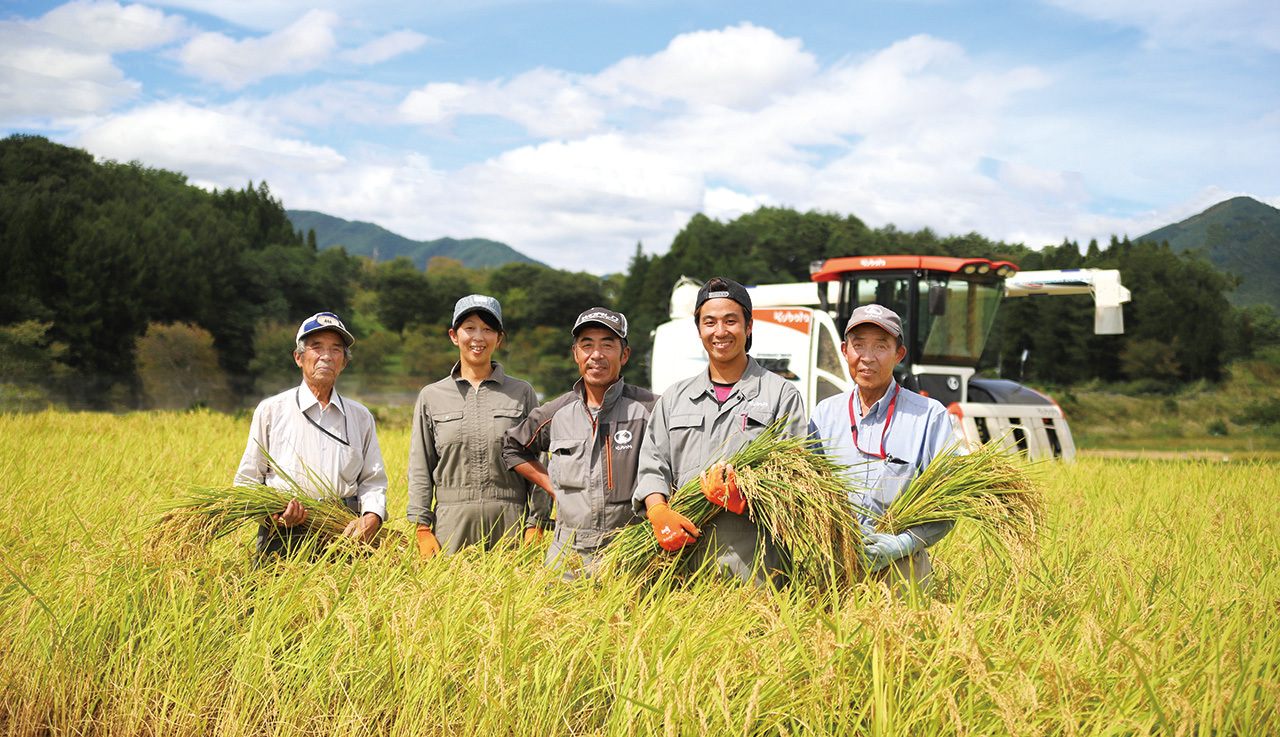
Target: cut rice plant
[(994, 490), (798, 495), (209, 512)]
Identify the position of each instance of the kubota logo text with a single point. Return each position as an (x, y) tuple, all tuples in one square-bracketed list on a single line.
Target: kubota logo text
[(872, 262), (786, 317)]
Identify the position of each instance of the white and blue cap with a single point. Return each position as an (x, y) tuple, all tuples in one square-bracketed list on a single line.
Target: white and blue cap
[(325, 321), (476, 303)]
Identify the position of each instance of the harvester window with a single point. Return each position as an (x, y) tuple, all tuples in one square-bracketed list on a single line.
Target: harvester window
[(958, 336), (892, 293), (829, 358)]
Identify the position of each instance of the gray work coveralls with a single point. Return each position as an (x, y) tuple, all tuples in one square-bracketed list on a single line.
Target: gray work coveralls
[(458, 484), (689, 431), (592, 463)]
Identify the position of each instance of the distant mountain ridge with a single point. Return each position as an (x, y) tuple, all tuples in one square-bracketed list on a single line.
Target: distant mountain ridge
[(1240, 236), (367, 239)]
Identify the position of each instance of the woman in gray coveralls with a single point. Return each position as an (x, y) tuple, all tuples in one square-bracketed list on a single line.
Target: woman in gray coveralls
[(460, 490)]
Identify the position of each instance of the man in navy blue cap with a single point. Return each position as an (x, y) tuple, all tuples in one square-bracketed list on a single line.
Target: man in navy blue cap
[(325, 443), (699, 423)]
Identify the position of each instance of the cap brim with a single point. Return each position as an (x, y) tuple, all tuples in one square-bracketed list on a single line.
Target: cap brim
[(597, 323), (457, 320), (888, 329), (347, 338)]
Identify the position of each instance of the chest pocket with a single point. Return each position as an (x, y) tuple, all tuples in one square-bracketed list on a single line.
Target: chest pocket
[(621, 457), (568, 464), (448, 429), (756, 421), (686, 438), (504, 418), (895, 479)]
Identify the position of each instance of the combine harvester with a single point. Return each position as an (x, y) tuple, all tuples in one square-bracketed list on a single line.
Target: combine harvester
[(947, 305)]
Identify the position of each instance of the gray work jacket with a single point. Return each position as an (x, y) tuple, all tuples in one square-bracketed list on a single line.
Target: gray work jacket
[(689, 431), (456, 472), (592, 461)]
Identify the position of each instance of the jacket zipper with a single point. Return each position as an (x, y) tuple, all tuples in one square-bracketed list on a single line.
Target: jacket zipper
[(608, 459)]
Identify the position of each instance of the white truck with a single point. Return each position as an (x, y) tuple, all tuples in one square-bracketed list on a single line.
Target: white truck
[(947, 307)]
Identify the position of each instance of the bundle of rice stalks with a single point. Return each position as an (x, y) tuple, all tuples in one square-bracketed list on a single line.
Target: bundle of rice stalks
[(209, 512), (796, 494), (991, 488), (224, 509)]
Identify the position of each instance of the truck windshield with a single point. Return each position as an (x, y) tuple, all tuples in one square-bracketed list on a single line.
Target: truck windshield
[(958, 336)]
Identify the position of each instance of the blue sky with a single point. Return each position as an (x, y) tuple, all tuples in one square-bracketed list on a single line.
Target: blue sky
[(573, 130)]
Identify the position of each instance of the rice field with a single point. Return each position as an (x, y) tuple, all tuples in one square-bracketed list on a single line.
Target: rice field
[(1152, 607)]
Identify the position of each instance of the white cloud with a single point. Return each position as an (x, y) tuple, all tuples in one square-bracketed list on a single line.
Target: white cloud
[(108, 26), (1189, 23), (548, 103), (320, 106), (276, 14), (302, 46), (741, 66), (61, 63), (217, 148), (385, 47)]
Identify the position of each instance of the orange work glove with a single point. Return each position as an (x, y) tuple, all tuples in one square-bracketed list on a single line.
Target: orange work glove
[(720, 487), (673, 530), (428, 545), (532, 535)]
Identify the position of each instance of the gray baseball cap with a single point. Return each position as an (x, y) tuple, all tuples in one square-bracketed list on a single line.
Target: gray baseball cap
[(476, 303), (876, 315), (605, 318), (325, 321)]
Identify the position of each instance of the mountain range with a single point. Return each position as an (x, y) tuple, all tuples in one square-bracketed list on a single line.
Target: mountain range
[(374, 241), (1240, 236)]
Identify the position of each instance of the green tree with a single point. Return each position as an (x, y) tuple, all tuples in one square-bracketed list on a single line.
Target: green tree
[(179, 368)]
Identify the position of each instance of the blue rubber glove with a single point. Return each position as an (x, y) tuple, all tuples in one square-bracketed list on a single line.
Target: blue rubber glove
[(882, 549)]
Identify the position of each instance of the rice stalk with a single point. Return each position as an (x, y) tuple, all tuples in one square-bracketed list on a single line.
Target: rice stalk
[(796, 494), (989, 487), (209, 512)]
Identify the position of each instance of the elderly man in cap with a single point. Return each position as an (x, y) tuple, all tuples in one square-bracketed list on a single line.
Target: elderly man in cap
[(324, 442), (705, 419), (887, 434), (593, 433)]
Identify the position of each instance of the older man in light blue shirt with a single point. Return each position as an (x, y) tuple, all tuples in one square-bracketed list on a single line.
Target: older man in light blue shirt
[(886, 434)]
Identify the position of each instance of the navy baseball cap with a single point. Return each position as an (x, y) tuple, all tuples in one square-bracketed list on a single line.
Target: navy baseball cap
[(476, 303), (720, 287), (325, 321)]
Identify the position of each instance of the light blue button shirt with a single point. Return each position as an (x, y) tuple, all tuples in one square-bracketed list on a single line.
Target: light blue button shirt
[(918, 432)]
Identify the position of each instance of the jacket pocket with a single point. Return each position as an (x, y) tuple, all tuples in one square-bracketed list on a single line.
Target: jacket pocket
[(568, 464), (622, 455), (685, 441), (504, 418), (447, 428)]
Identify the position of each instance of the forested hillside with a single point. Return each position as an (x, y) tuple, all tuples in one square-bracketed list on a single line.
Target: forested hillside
[(380, 244), (127, 287), (1240, 236), (95, 252)]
